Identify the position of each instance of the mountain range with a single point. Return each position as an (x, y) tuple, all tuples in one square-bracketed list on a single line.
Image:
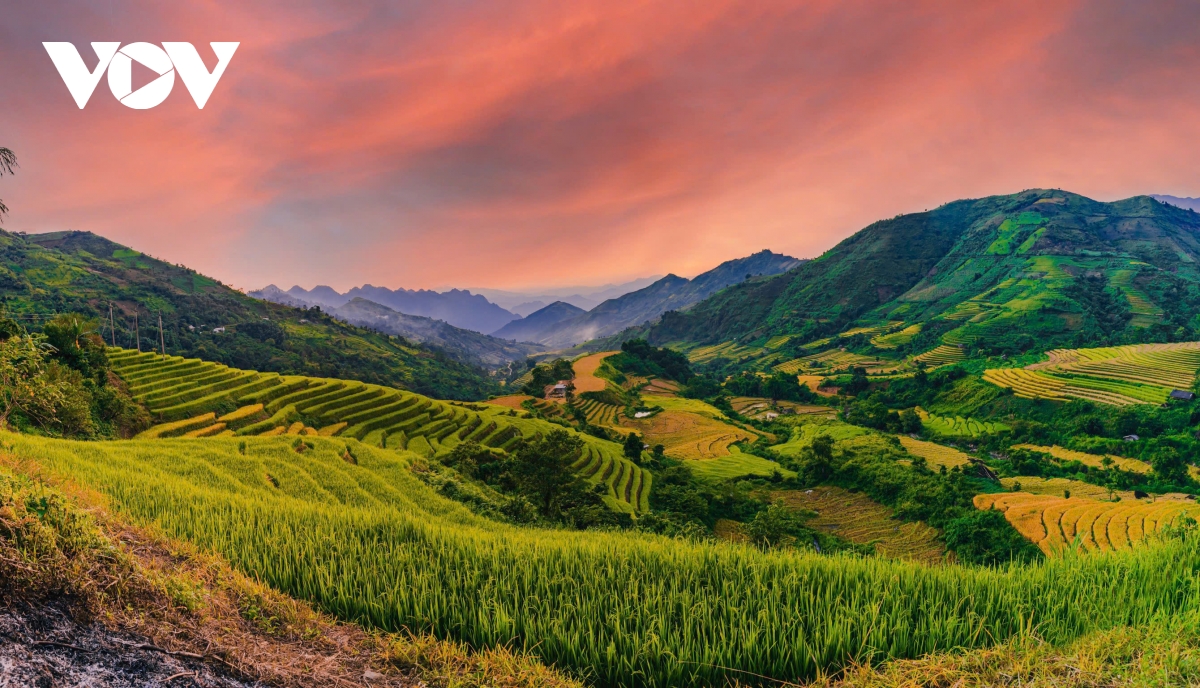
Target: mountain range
[(582, 297), (669, 293), (457, 307), (1041, 263)]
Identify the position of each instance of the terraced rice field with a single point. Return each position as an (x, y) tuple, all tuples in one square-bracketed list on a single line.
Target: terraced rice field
[(1145, 313), (184, 394), (736, 465), (943, 354), (758, 406), (777, 341), (934, 454), (599, 413), (585, 368), (661, 387), (1094, 460), (730, 350), (1055, 523), (1119, 375), (837, 360), (814, 384), (957, 426), (857, 518), (688, 429), (895, 339), (1056, 487)]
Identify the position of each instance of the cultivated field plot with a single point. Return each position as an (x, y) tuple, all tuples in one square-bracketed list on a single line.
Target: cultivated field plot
[(661, 387), (837, 360), (1118, 375), (895, 339), (943, 354), (730, 350), (934, 454), (1093, 460), (512, 401), (857, 518), (688, 429), (599, 413), (184, 394), (814, 384), (957, 426), (1055, 523), (1058, 487), (757, 407), (585, 368), (736, 465), (1145, 313)]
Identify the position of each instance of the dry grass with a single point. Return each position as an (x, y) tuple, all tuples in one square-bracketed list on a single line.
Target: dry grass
[(856, 517), (186, 601), (934, 454)]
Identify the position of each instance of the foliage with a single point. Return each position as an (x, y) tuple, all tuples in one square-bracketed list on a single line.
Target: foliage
[(638, 357), (985, 537), (546, 374)]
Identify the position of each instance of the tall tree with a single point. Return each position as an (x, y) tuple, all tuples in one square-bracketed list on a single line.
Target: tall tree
[(8, 160)]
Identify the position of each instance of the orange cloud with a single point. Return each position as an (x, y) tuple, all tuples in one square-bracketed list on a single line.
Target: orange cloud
[(536, 142)]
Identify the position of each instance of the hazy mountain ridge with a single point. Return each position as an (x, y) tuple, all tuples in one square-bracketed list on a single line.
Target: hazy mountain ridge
[(527, 328), (669, 293), (458, 343), (457, 307)]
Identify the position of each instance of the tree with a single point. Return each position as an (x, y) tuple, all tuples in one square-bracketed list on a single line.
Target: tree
[(774, 526), (43, 394), (633, 447), (542, 469), (8, 160)]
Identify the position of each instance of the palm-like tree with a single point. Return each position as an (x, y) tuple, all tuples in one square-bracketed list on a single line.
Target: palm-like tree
[(8, 160)]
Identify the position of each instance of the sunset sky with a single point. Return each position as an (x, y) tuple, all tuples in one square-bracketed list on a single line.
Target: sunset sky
[(540, 143)]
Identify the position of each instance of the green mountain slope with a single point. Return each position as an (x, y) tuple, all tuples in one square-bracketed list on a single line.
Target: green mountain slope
[(44, 274), (1043, 262)]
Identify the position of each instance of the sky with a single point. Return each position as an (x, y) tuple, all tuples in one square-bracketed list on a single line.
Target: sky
[(535, 143)]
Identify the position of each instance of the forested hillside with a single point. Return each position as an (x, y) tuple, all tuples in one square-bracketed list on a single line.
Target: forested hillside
[(79, 272), (1049, 262)]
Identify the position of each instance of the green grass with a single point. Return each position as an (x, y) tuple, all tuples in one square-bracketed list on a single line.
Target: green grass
[(368, 542)]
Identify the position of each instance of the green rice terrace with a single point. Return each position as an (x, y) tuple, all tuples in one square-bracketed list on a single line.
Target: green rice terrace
[(190, 396)]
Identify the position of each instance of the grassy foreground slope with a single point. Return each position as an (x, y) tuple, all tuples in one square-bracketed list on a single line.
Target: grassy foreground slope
[(80, 272), (367, 541)]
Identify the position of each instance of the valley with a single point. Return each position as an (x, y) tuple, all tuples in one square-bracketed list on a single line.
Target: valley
[(953, 421)]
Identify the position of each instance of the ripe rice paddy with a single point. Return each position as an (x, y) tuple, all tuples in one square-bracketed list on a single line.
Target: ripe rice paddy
[(1093, 460), (943, 354), (856, 517), (895, 339), (1057, 487), (934, 454), (729, 350), (1120, 375), (661, 387), (688, 429), (1054, 523), (599, 413), (736, 465), (758, 407)]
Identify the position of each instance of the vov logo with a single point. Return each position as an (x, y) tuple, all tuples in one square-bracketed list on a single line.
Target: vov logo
[(164, 61)]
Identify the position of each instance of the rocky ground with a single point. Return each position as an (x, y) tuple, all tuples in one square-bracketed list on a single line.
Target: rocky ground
[(44, 647)]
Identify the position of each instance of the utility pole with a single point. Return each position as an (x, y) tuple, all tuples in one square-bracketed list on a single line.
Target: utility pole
[(161, 338), (112, 328), (137, 334)]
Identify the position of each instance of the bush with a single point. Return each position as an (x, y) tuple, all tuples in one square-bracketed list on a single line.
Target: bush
[(987, 538)]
